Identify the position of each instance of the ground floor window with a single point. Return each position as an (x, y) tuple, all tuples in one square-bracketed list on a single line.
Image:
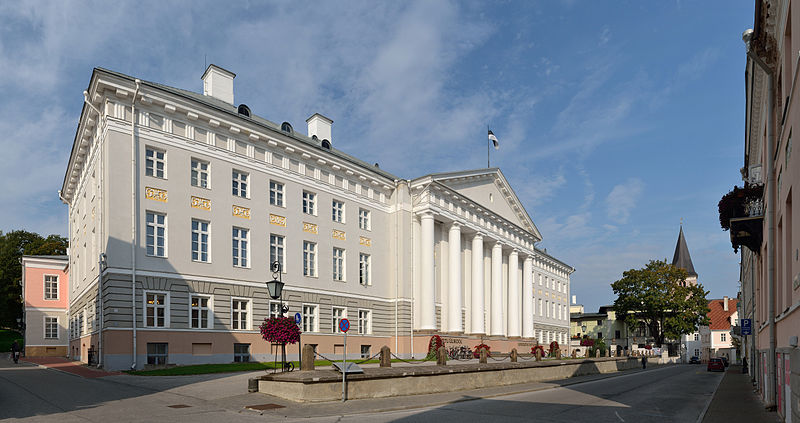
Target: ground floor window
[(241, 353), (157, 353), (365, 351)]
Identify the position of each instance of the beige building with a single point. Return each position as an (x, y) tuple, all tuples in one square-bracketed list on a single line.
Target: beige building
[(179, 202), (760, 215)]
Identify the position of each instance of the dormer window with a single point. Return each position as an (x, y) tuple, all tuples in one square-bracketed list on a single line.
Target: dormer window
[(326, 144), (286, 127), (244, 110)]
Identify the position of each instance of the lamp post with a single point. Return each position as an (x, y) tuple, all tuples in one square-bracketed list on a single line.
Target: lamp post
[(275, 289)]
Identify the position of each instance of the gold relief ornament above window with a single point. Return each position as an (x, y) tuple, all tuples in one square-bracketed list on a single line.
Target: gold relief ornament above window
[(365, 241), (201, 203), (242, 212), (340, 235), (274, 219), (310, 228), (156, 194)]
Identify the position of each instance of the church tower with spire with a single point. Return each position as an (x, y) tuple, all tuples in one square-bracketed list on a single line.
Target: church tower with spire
[(682, 259)]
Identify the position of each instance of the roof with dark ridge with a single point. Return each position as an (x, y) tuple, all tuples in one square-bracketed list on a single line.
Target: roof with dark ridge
[(682, 258)]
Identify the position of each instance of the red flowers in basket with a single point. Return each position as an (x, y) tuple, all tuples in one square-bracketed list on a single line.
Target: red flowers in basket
[(477, 352), (280, 330), (537, 347)]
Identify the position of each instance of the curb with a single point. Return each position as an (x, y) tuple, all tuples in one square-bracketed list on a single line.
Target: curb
[(708, 404)]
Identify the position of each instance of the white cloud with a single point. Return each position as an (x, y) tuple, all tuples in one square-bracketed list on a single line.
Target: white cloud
[(622, 199), (605, 36)]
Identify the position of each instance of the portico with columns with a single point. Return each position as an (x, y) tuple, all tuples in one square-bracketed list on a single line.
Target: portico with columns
[(475, 246)]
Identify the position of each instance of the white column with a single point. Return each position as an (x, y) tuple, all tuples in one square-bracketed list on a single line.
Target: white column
[(427, 313), (454, 294), (514, 316), (527, 298), (478, 318), (497, 290)]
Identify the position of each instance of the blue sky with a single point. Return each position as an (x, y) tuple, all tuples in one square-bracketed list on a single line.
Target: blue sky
[(616, 119)]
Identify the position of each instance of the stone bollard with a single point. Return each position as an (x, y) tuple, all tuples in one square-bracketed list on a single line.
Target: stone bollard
[(513, 355), (597, 353), (558, 353), (538, 354), (586, 353), (609, 352), (252, 384), (307, 362), (483, 356), (574, 354), (386, 356), (441, 356)]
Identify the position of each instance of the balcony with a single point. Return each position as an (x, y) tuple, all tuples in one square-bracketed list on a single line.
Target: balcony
[(742, 212)]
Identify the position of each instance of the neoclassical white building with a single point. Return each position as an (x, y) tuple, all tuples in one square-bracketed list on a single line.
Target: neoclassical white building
[(178, 202)]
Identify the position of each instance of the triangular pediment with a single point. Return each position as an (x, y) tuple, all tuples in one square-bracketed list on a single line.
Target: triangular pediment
[(489, 189)]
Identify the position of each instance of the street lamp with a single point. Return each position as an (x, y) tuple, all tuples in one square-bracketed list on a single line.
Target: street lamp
[(583, 329), (275, 290)]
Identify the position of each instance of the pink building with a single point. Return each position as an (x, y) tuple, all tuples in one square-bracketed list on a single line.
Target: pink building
[(45, 283)]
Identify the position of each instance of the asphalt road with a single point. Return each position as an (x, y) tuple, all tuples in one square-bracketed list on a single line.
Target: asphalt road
[(28, 393)]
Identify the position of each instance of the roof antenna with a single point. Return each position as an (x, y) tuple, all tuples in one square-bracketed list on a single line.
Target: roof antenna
[(205, 60)]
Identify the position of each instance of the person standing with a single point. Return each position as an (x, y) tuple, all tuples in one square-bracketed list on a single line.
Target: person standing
[(15, 351), (644, 362)]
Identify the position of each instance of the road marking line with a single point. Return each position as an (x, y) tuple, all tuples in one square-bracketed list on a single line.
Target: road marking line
[(620, 417)]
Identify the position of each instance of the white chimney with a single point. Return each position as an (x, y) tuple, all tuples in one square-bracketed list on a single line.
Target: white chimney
[(725, 303), (574, 299), (320, 126), (218, 83)]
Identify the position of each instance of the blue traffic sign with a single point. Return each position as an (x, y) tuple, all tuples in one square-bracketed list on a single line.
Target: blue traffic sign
[(344, 325), (298, 318), (747, 326)]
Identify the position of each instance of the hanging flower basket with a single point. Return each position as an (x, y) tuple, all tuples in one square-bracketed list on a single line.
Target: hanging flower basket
[(537, 347), (280, 330), (648, 347), (478, 348), (553, 347)]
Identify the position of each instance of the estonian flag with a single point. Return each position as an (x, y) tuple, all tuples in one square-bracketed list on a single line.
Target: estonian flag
[(494, 140)]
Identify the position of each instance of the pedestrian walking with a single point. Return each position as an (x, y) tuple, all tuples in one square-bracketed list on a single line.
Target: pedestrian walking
[(15, 351), (644, 362)]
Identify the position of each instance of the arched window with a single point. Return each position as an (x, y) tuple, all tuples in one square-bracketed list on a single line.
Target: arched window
[(244, 110), (286, 127), (326, 144)]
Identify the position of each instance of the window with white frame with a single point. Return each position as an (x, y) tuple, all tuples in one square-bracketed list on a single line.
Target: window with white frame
[(50, 327), (200, 241), (241, 248), (155, 162), (309, 258), (200, 173), (274, 309), (364, 219), (309, 203), (155, 312), (276, 253), (364, 322), (547, 307), (50, 287), (239, 181), (310, 313), (697, 352), (157, 353), (240, 310), (540, 307), (276, 193), (337, 211), (554, 310), (200, 312), (338, 313), (540, 279), (696, 337), (156, 235), (338, 264), (364, 269), (723, 337)]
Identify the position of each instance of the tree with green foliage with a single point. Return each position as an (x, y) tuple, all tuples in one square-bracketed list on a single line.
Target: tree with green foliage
[(659, 296), (13, 245)]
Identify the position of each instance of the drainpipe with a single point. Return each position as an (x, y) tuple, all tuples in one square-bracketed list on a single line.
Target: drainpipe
[(769, 215), (69, 252), (133, 219)]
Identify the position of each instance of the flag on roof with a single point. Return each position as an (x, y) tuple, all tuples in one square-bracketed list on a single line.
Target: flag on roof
[(494, 140)]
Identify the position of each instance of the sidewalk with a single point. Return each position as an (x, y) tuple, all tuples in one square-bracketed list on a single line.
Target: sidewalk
[(68, 366), (735, 401)]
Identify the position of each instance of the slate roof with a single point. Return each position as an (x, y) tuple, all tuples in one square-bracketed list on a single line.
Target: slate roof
[(721, 319), (682, 258)]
